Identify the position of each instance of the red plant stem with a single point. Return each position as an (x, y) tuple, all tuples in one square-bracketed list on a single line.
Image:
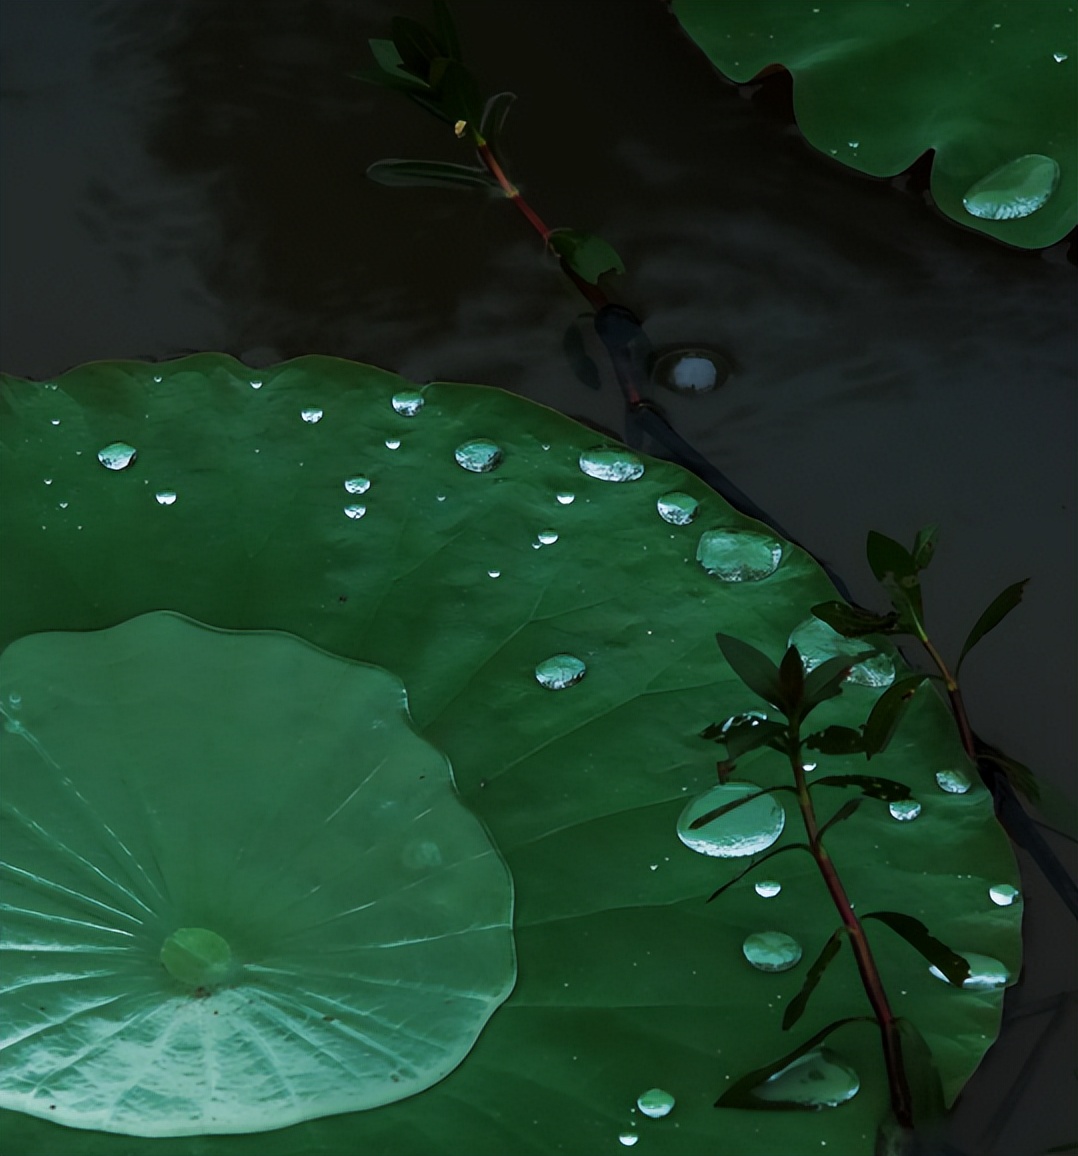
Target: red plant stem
[(901, 1100)]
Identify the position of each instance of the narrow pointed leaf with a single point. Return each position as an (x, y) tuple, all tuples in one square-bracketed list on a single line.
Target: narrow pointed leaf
[(458, 92), (843, 813), (1023, 779), (887, 714), (889, 790), (445, 31), (417, 47), (922, 1074), (390, 63), (954, 966), (796, 1007), (753, 667), (852, 621), (924, 546), (756, 863), (433, 174), (492, 122), (744, 735), (791, 680), (836, 740), (588, 256), (399, 82), (999, 608), (890, 560)]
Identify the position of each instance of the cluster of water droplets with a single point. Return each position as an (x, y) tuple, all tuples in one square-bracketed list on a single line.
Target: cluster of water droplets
[(655, 1104)]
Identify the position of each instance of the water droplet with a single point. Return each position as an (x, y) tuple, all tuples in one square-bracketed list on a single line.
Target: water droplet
[(808, 768), (854, 144), (165, 497), (745, 830), (157, 378), (197, 956), (655, 1103), (819, 1079), (547, 537), (610, 465), (768, 888), (311, 414), (559, 671), (64, 505), (985, 973), (357, 485), (752, 717), (693, 369), (1016, 189), (771, 950), (256, 384), (816, 642), (14, 700), (48, 481), (479, 456), (738, 555), (494, 573), (1059, 57), (355, 511), (408, 402), (953, 782), (905, 810), (677, 508), (55, 421), (439, 497), (393, 443), (628, 1138), (1003, 894), (117, 456), (566, 499)]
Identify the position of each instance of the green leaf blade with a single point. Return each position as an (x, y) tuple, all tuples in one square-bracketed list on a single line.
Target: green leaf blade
[(997, 610)]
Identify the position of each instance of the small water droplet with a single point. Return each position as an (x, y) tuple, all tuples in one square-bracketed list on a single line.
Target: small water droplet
[(566, 499), (393, 443), (559, 671), (677, 508), (547, 537), (408, 402), (117, 456), (820, 1079), (64, 505), (745, 830), (311, 414), (357, 485), (808, 768), (816, 642), (439, 497), (610, 465), (904, 810), (479, 456), (494, 573), (1016, 189), (692, 369), (738, 555), (55, 421), (953, 782), (1059, 57), (768, 888), (752, 717), (48, 481), (157, 378), (985, 973), (771, 950), (628, 1138), (256, 384), (355, 511), (655, 1103), (14, 700), (854, 144), (165, 497), (1003, 894)]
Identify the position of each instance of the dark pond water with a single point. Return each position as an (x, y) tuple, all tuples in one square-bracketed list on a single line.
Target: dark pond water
[(190, 176)]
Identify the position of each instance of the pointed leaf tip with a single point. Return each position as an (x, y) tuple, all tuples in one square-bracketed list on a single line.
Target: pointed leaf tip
[(998, 609)]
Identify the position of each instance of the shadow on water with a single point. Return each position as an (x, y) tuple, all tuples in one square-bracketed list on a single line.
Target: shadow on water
[(191, 176)]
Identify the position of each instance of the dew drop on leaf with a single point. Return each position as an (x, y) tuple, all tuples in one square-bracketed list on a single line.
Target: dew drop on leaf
[(1003, 894), (1016, 189), (559, 671), (393, 443), (117, 456), (816, 642), (768, 888), (610, 465), (904, 810), (655, 1103), (677, 508), (357, 485), (819, 1079), (197, 956), (738, 555), (953, 782), (745, 830), (547, 537), (752, 717), (165, 497), (479, 456), (311, 414), (628, 1138), (355, 512), (771, 950), (565, 498), (408, 402), (985, 973)]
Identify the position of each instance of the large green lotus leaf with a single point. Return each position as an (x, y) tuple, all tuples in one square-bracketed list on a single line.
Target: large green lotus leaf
[(236, 513), (877, 83)]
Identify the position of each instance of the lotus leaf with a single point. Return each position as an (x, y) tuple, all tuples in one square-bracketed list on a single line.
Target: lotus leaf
[(302, 501), (987, 85)]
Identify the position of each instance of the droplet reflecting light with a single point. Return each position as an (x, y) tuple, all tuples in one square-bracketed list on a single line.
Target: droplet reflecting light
[(478, 456), (611, 465), (560, 671), (744, 830), (117, 456)]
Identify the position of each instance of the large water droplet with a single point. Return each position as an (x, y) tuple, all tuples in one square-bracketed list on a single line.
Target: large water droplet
[(985, 973), (197, 956), (559, 671), (819, 1079), (479, 456), (693, 369), (677, 508), (355, 512), (953, 782), (611, 465), (1016, 189), (816, 642), (565, 498), (655, 1103), (117, 456), (768, 888), (1003, 894), (771, 950), (628, 1138), (408, 402), (357, 485), (165, 497), (905, 810), (745, 830), (738, 555), (311, 414)]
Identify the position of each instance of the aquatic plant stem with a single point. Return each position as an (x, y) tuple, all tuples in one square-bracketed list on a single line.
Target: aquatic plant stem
[(901, 1099)]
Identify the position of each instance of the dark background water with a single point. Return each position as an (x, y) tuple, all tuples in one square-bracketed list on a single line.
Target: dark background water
[(190, 175)]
